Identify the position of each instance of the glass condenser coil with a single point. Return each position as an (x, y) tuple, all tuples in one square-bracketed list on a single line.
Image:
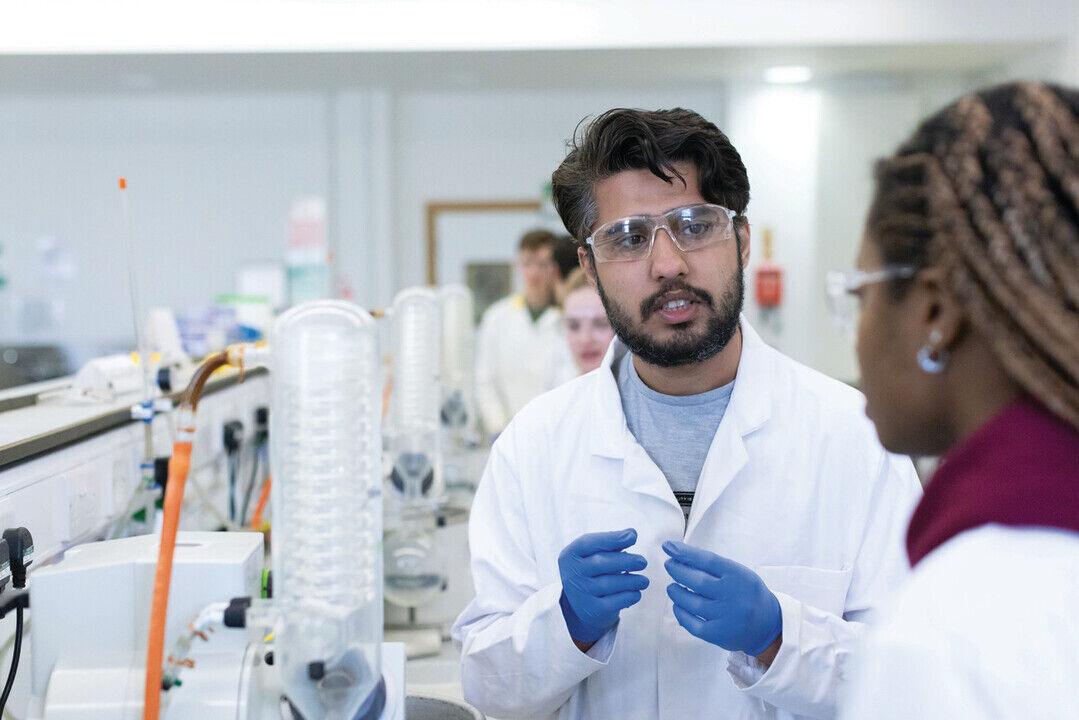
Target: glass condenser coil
[(325, 440), (456, 357), (416, 402)]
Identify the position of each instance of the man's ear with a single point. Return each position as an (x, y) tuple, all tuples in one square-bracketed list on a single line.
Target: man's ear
[(587, 264), (742, 229)]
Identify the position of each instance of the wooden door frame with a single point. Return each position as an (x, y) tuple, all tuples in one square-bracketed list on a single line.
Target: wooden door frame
[(434, 209)]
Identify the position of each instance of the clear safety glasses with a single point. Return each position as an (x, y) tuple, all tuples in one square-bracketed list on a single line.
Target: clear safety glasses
[(843, 289), (690, 228)]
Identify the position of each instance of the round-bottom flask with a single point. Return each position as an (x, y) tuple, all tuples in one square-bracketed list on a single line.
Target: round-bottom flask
[(413, 568)]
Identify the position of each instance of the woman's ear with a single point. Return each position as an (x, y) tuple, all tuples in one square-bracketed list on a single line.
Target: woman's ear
[(937, 311)]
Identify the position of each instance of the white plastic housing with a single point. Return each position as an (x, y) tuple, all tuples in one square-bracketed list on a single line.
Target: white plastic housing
[(325, 445), (417, 396), (93, 607)]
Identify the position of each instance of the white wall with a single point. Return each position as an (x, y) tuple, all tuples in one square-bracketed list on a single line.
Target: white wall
[(1066, 68), (496, 145), (775, 129), (809, 151), (212, 177), (210, 181)]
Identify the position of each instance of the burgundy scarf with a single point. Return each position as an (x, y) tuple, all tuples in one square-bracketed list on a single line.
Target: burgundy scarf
[(1020, 469)]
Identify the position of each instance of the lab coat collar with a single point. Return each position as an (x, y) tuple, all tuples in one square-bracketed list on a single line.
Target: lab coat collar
[(750, 405), (551, 314), (1018, 470)]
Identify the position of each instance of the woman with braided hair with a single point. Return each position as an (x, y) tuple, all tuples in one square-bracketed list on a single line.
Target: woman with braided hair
[(968, 284)]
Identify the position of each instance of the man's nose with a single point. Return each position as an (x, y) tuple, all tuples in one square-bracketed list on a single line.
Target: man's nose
[(667, 260)]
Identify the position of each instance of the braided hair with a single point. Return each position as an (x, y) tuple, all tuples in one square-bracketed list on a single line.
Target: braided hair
[(988, 189)]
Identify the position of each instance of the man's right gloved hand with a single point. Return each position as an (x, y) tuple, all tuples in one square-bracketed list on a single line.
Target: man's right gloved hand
[(599, 581)]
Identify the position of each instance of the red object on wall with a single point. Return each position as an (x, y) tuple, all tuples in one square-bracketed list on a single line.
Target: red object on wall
[(769, 286), (769, 277)]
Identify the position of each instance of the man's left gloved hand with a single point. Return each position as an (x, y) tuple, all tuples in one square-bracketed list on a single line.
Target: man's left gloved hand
[(720, 601)]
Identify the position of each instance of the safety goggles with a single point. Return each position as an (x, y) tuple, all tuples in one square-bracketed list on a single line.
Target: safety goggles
[(690, 228), (843, 288)]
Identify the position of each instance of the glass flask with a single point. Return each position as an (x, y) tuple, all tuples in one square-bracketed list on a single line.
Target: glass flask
[(414, 569)]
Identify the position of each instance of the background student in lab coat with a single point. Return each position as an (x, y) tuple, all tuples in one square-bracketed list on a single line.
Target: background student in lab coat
[(588, 331), (565, 256), (521, 350), (700, 528), (969, 345)]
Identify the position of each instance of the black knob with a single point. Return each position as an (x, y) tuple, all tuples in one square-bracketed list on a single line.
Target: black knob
[(20, 545), (236, 612)]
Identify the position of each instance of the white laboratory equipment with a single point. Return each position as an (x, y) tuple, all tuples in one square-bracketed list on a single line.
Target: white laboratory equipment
[(457, 415), (326, 451), (91, 618), (413, 565), (414, 438), (457, 351), (106, 378), (428, 580), (329, 661), (162, 334)]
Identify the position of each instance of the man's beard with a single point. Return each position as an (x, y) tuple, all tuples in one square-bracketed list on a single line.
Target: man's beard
[(686, 347)]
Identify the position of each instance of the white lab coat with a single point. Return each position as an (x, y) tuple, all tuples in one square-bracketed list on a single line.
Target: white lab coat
[(517, 359), (987, 627), (795, 485)]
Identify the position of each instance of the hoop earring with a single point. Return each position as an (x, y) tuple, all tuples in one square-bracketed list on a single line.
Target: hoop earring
[(932, 358)]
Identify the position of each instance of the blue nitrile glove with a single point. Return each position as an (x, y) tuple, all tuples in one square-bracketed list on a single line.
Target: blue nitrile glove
[(598, 582), (720, 601)]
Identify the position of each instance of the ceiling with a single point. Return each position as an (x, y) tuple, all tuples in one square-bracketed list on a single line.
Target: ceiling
[(483, 70)]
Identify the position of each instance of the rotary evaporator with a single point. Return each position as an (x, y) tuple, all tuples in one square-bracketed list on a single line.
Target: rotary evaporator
[(434, 462), (217, 648)]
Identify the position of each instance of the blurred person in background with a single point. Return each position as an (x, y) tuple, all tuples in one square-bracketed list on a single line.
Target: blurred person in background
[(968, 286), (565, 256), (521, 349), (588, 331)]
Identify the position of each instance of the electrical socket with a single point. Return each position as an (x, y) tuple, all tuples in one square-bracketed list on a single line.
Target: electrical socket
[(232, 435), (79, 502), (7, 512)]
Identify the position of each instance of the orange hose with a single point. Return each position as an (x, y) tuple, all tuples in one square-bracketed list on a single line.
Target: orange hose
[(264, 497), (179, 465), (387, 393)]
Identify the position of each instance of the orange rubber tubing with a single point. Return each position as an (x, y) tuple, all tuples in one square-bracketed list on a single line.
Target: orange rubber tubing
[(264, 497), (179, 465)]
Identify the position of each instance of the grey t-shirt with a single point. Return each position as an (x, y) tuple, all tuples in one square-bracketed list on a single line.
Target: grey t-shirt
[(675, 430)]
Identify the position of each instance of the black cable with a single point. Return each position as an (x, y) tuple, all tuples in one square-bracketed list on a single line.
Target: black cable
[(233, 465), (15, 652)]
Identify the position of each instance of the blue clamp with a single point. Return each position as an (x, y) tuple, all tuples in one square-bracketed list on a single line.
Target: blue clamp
[(143, 411)]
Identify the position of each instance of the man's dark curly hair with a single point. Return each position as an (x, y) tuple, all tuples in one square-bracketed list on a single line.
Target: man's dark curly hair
[(654, 140)]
